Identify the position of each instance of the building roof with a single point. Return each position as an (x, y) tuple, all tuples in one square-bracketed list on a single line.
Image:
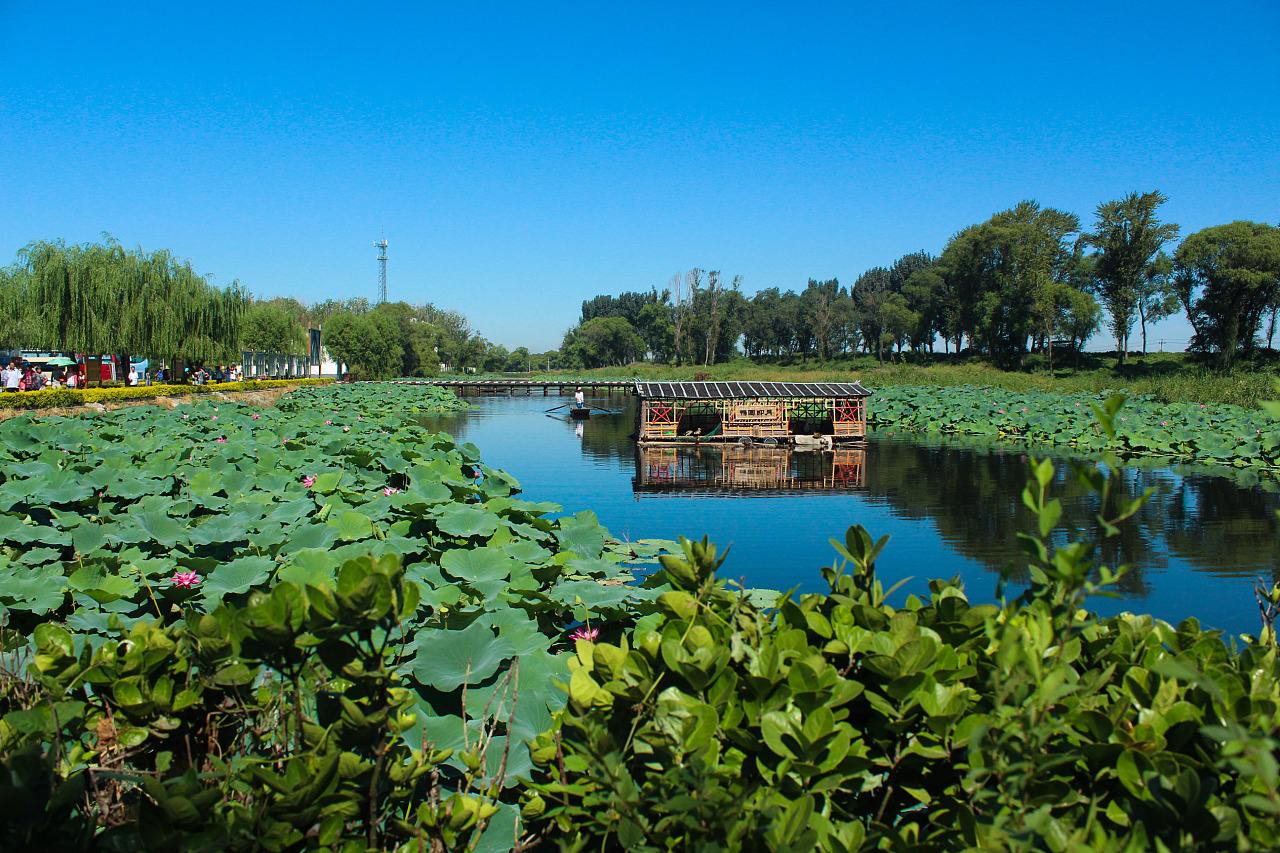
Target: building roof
[(747, 390)]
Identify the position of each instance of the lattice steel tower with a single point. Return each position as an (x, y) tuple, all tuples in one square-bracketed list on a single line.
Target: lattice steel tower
[(381, 246)]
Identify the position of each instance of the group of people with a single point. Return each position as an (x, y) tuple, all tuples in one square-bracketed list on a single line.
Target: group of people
[(222, 373), (25, 376), (199, 375), (21, 375)]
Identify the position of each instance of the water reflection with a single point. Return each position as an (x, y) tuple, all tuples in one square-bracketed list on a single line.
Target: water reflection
[(953, 508), (973, 497), (720, 469)]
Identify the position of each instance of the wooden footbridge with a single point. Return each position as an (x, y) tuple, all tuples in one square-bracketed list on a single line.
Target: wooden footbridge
[(527, 386)]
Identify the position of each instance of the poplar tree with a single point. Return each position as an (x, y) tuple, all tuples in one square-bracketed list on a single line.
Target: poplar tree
[(1127, 237)]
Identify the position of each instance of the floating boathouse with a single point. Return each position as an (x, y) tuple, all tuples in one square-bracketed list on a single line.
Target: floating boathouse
[(694, 412)]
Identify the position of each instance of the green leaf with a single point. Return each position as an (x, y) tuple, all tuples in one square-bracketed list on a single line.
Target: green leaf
[(160, 527), (235, 577), (581, 534), (352, 526), (466, 521), (326, 482), (101, 585), (448, 659), (477, 565)]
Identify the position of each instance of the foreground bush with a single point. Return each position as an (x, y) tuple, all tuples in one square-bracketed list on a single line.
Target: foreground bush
[(270, 726), (837, 721)]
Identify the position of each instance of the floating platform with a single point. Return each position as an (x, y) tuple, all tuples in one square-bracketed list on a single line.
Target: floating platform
[(698, 412)]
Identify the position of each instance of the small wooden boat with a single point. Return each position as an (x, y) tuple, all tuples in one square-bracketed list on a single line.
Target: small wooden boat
[(580, 414)]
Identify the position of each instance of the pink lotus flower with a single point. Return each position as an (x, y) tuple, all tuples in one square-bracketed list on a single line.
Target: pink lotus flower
[(221, 440), (185, 579), (1164, 423), (257, 416), (389, 491), (585, 633), (328, 423), (308, 481), (213, 417)]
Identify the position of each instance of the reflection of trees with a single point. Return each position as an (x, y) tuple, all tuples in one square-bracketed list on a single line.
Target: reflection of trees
[(974, 499), (609, 436), (1223, 529)]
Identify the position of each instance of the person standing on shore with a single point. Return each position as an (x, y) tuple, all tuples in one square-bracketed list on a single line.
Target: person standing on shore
[(11, 378)]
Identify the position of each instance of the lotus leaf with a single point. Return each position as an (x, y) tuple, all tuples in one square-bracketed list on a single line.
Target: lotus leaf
[(236, 576), (447, 659), (466, 521)]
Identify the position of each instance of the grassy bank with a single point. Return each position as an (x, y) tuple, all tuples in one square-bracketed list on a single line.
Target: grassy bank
[(1165, 377)]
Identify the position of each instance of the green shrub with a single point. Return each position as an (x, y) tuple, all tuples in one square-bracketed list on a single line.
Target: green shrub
[(47, 398), (271, 725)]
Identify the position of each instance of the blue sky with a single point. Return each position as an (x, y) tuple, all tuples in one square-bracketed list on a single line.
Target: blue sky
[(522, 158)]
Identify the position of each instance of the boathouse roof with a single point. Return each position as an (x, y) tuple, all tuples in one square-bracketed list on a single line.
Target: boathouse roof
[(747, 390)]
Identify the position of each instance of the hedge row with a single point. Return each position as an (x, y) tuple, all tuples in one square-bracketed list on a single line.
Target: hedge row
[(53, 398)]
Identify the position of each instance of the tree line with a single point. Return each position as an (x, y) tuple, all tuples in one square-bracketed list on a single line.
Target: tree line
[(1028, 279), (103, 298), (385, 340)]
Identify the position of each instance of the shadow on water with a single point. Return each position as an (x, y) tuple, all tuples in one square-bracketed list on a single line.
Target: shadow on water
[(951, 507)]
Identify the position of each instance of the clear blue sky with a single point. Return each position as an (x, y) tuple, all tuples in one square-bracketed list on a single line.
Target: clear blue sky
[(520, 159)]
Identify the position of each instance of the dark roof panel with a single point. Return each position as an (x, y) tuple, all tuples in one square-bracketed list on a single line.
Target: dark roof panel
[(747, 390)]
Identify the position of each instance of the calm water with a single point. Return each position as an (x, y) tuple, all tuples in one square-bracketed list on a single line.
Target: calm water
[(1196, 547)]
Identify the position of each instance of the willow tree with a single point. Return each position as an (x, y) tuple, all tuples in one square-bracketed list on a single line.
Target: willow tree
[(102, 298)]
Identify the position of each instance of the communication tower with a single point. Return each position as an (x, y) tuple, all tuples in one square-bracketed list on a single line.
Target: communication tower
[(381, 246)]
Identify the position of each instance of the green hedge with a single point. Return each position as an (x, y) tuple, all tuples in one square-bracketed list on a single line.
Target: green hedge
[(54, 398)]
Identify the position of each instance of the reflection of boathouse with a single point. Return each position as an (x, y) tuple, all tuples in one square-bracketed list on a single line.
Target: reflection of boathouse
[(732, 469), (684, 412)]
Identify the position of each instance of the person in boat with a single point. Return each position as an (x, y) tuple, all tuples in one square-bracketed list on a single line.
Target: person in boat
[(579, 399)]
